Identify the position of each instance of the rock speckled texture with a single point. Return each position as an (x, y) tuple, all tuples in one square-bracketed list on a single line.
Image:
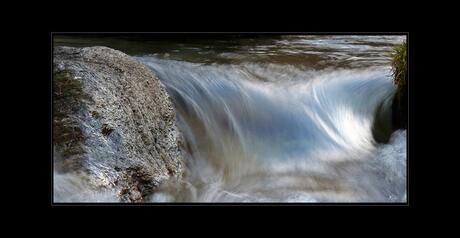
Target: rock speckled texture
[(116, 124)]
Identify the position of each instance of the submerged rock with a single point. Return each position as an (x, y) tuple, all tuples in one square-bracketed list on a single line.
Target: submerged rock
[(113, 121), (400, 109)]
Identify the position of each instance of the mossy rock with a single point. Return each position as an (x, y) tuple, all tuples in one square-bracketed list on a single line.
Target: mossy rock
[(68, 137)]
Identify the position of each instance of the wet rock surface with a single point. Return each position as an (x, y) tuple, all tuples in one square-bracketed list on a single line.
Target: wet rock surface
[(114, 122)]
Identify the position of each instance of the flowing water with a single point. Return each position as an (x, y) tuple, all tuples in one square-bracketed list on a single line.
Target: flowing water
[(280, 119)]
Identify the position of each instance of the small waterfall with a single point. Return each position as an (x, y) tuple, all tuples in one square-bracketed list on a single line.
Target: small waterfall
[(267, 132)]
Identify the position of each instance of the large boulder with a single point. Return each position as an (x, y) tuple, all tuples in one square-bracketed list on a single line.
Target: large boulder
[(113, 122)]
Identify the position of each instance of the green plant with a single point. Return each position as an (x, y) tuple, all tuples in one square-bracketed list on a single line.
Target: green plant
[(400, 100), (399, 65)]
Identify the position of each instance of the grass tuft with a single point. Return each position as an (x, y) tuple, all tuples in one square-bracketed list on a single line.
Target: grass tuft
[(399, 71), (399, 65)]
